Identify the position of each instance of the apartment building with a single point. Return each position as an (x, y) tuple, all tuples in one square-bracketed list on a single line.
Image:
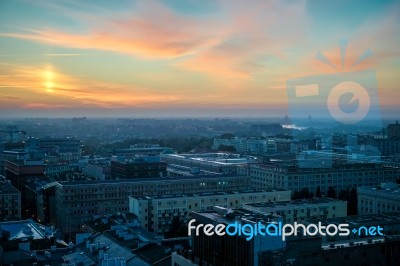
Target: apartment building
[(77, 202), (157, 213)]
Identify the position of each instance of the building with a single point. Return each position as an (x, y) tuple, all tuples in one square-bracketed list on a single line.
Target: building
[(393, 130), (65, 148), (232, 250), (139, 167), (225, 163), (10, 156), (300, 210), (247, 145), (19, 238), (382, 199), (143, 149), (19, 171), (76, 202), (157, 213), (353, 249), (339, 177), (10, 201)]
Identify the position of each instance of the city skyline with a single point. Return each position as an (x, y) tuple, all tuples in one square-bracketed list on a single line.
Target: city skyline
[(196, 58)]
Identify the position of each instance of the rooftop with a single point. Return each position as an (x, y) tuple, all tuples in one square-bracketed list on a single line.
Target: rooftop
[(213, 193), (224, 159), (26, 229), (141, 180), (294, 203), (226, 216), (381, 219)]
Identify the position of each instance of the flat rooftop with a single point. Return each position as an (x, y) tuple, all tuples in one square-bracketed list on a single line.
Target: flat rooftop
[(294, 203), (239, 215), (366, 220), (26, 229), (146, 179), (223, 159), (214, 193)]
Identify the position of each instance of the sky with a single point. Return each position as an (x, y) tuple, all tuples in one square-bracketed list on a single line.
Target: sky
[(188, 57)]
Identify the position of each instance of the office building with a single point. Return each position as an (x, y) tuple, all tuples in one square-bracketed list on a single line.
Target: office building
[(225, 163), (232, 250), (138, 167), (19, 171), (76, 202), (339, 177), (10, 201), (10, 156), (300, 210), (157, 213), (381, 199)]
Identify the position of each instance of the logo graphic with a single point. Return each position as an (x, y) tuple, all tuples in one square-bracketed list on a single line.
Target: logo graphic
[(342, 99)]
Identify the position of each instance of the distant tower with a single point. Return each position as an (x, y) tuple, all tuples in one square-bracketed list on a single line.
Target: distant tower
[(286, 120)]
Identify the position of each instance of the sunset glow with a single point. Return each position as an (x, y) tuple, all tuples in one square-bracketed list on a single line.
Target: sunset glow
[(194, 58)]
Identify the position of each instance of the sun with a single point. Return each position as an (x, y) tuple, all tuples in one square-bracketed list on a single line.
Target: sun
[(48, 81)]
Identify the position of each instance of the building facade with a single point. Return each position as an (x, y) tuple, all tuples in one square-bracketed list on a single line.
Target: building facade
[(381, 199), (281, 175), (10, 201), (148, 166), (232, 250), (76, 202), (157, 213)]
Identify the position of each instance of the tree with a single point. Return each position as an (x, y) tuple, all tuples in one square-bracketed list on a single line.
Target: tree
[(227, 148), (331, 192), (318, 193)]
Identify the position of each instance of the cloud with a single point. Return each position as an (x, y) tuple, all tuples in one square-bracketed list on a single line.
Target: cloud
[(46, 87)]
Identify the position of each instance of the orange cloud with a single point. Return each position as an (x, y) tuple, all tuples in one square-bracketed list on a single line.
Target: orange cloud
[(46, 87)]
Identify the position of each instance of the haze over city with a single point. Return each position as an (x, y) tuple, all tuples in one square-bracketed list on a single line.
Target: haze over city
[(185, 58)]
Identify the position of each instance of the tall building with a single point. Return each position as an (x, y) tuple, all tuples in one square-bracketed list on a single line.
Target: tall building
[(381, 199), (232, 250), (77, 202), (10, 201), (339, 177), (19, 171), (158, 212)]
